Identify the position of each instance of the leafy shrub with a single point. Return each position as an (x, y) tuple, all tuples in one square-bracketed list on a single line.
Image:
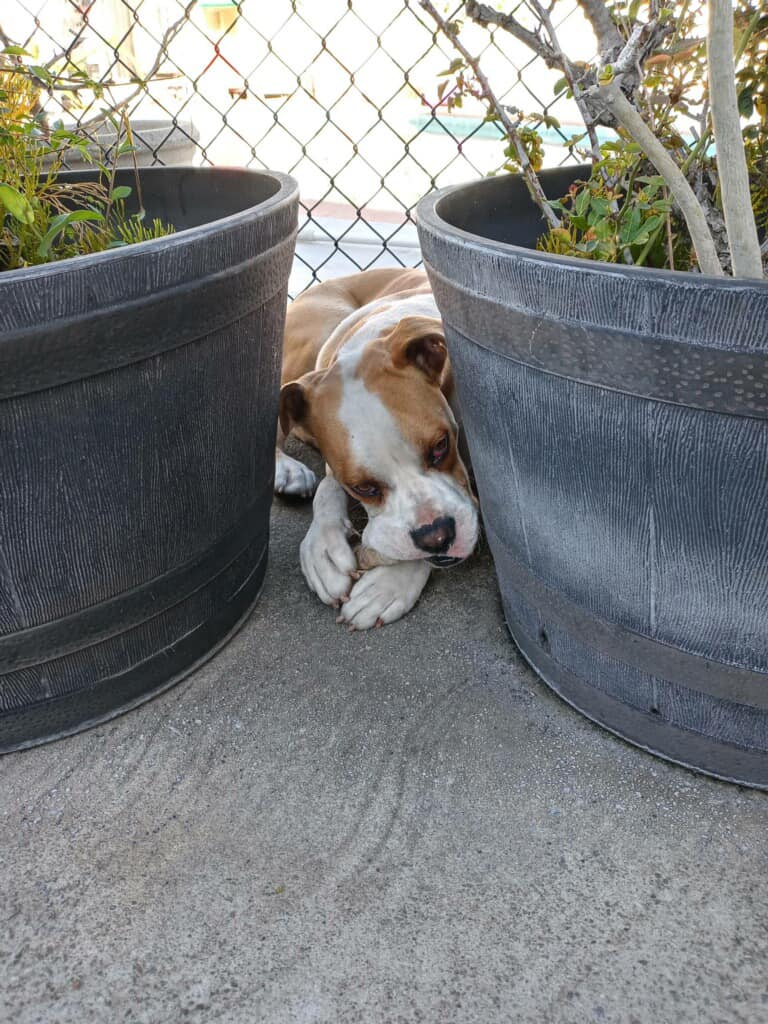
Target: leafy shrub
[(44, 218), (652, 85)]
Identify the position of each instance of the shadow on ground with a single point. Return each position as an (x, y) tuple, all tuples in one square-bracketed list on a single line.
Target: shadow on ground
[(395, 826)]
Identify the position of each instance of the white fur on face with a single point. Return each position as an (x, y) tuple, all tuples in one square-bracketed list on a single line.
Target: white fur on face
[(416, 496)]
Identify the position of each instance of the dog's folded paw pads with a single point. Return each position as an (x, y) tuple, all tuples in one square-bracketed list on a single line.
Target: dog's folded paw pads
[(383, 595), (327, 562)]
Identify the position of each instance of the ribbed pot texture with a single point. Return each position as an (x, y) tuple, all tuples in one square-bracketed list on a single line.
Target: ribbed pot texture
[(618, 424), (138, 401)]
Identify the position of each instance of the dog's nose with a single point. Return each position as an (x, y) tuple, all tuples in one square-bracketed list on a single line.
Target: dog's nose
[(435, 537)]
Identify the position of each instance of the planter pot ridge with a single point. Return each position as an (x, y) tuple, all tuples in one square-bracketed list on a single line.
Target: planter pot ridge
[(618, 423), (138, 397)]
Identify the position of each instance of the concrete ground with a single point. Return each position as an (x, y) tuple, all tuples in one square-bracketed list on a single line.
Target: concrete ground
[(397, 826)]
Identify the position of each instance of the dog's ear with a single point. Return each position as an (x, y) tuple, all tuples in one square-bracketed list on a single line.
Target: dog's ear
[(295, 400), (293, 405), (420, 342)]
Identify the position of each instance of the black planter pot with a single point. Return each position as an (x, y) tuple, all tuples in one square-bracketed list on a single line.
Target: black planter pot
[(618, 424), (138, 401)]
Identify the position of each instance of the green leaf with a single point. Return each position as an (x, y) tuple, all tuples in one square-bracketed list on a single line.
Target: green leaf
[(631, 227), (746, 103), (653, 222), (40, 72), (121, 192), (560, 84), (456, 64), (16, 204), (603, 228), (60, 223), (581, 203), (16, 51)]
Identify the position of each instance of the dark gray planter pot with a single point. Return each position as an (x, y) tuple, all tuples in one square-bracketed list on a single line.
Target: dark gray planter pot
[(138, 402), (618, 424)]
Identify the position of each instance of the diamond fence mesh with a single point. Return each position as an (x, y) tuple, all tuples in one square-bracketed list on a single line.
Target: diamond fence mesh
[(343, 94)]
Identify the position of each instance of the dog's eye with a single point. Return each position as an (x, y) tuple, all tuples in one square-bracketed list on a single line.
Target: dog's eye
[(439, 450), (368, 489)]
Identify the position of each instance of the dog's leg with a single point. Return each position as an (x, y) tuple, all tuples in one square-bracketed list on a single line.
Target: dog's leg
[(327, 560), (292, 477), (384, 594)]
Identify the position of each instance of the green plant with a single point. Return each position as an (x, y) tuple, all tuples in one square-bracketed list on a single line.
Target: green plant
[(684, 183), (44, 218)]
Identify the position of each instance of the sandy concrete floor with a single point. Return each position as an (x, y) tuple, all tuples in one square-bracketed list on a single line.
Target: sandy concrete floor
[(401, 826)]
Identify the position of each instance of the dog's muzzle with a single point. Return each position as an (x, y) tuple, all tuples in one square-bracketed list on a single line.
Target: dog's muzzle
[(443, 561)]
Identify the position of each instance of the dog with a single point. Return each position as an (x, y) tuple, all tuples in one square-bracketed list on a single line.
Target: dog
[(367, 381)]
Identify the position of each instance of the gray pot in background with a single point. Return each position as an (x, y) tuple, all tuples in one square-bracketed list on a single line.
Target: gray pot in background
[(618, 424), (155, 141)]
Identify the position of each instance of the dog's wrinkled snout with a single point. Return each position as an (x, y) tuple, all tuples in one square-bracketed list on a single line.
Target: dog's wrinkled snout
[(436, 537)]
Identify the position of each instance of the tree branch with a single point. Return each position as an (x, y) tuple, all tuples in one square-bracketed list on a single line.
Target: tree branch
[(529, 174), (629, 55), (729, 145), (561, 61), (629, 118), (484, 15), (161, 56), (580, 98), (608, 37)]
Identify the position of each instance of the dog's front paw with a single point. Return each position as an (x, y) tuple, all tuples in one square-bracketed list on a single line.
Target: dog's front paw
[(293, 477), (384, 594), (327, 561)]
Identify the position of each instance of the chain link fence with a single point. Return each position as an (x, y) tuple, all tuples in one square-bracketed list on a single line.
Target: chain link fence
[(343, 94)]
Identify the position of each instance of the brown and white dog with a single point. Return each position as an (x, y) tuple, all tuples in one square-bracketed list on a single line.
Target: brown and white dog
[(367, 382)]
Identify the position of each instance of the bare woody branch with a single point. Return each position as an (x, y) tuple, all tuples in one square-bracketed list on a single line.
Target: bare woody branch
[(500, 111), (561, 61), (608, 37), (60, 81), (580, 98), (484, 15), (160, 58), (731, 160)]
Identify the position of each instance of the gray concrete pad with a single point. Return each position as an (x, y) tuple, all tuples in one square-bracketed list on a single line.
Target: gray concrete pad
[(397, 826)]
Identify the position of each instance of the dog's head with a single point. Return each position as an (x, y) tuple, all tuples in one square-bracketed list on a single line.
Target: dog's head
[(380, 418)]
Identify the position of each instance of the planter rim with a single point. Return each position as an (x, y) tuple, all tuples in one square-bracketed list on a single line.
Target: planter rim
[(429, 219), (283, 197)]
